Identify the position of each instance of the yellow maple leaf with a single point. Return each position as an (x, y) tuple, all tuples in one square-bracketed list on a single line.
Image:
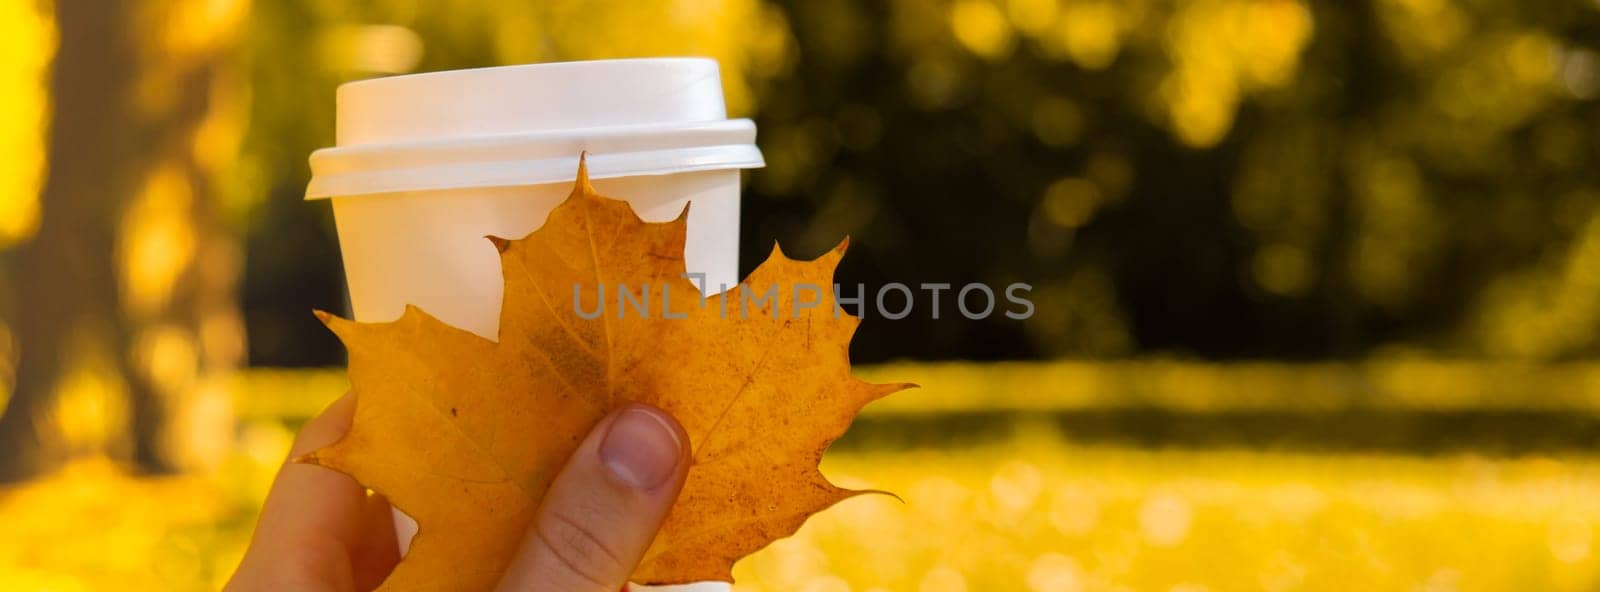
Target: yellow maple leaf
[(465, 434)]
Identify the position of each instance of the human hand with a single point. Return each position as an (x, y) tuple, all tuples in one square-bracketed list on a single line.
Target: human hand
[(320, 531)]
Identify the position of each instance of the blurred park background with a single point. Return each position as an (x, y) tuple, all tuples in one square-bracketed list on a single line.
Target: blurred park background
[(1316, 280)]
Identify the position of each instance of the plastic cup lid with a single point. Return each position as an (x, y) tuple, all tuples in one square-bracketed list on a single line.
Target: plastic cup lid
[(525, 125)]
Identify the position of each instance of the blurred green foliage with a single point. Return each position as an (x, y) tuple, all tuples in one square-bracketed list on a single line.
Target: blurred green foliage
[(1214, 178)]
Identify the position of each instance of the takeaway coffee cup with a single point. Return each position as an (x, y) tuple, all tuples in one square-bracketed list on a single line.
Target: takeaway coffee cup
[(427, 165)]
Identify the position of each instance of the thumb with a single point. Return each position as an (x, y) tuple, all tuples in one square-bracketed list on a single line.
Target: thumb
[(603, 510)]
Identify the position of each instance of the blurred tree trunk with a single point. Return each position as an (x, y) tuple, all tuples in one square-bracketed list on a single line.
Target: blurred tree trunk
[(129, 280)]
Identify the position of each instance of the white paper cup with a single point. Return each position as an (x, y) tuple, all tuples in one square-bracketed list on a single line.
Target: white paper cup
[(427, 165)]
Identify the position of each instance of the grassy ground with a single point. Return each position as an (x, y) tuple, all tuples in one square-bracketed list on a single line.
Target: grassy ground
[(1034, 512), (1019, 499)]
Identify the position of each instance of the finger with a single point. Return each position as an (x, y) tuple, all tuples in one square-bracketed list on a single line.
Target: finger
[(312, 516), (377, 551), (599, 516)]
